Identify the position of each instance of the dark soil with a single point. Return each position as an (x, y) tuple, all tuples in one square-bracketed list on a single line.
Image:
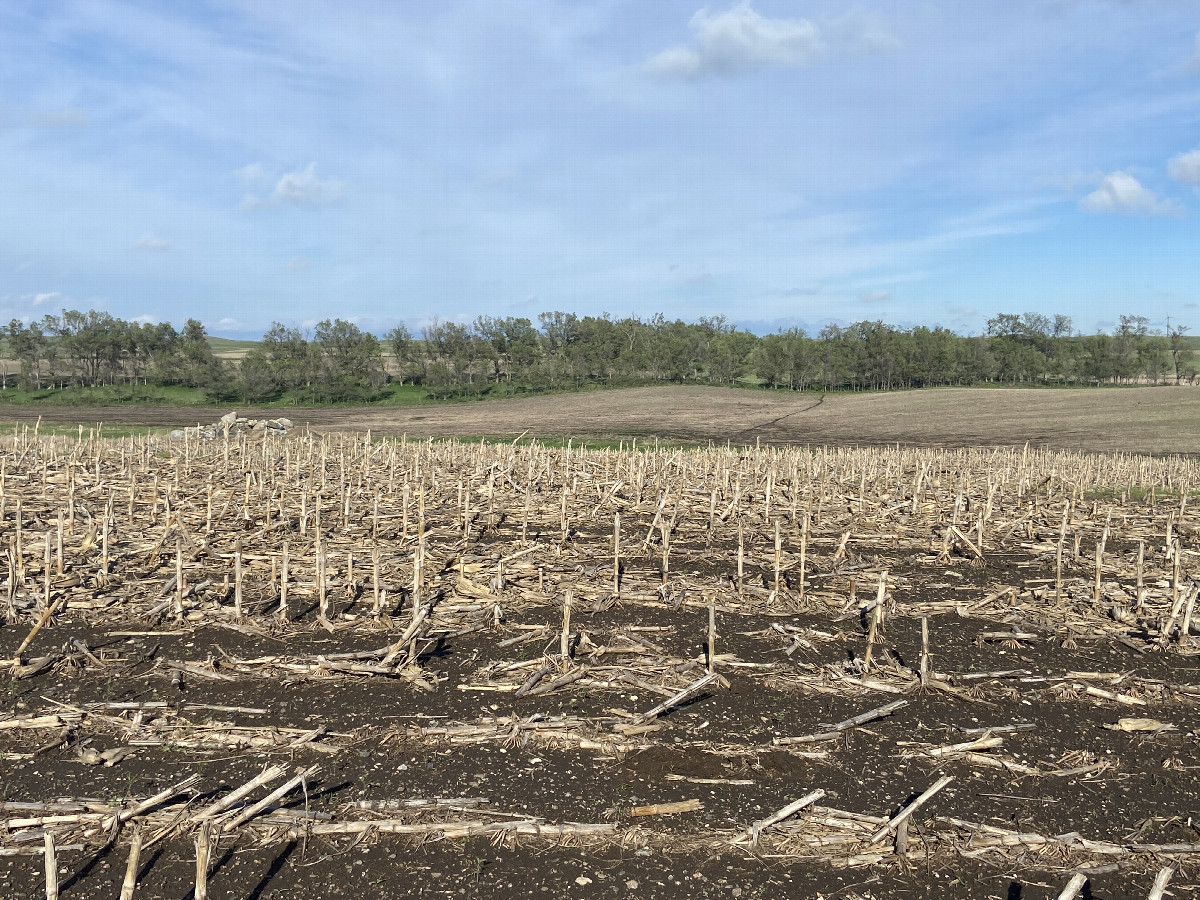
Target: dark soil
[(1149, 788), (786, 665)]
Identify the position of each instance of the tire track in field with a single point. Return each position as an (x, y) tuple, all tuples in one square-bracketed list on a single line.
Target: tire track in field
[(758, 428)]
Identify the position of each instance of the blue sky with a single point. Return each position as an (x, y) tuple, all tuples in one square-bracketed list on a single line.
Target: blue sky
[(775, 162)]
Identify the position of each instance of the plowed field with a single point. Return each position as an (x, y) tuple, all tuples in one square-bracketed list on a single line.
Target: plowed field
[(1139, 420)]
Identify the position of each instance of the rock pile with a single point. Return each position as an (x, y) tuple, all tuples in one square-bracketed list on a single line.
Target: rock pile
[(231, 423)]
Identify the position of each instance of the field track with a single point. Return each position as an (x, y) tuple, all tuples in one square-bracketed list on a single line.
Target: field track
[(1152, 419)]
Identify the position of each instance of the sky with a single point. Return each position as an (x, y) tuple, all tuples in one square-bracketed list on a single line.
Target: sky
[(779, 163)]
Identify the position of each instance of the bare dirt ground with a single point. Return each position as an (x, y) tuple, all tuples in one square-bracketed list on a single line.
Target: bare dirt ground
[(392, 621), (1141, 420)]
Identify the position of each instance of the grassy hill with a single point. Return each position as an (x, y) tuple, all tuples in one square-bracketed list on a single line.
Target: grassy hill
[(229, 348)]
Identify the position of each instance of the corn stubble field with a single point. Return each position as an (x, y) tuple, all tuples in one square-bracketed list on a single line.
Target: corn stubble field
[(331, 666)]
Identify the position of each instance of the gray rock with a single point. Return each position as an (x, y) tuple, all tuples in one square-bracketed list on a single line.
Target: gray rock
[(176, 435), (229, 418), (286, 423)]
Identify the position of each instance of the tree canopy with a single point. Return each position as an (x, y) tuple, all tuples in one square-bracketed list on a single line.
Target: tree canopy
[(338, 362)]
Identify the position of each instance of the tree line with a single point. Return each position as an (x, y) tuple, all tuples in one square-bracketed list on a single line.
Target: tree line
[(339, 362), (94, 348), (569, 350)]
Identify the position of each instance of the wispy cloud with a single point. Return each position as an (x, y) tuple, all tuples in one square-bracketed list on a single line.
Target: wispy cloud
[(251, 173), (1120, 192), (299, 188), (578, 175), (48, 297), (151, 244), (1072, 181), (875, 296), (228, 323), (1185, 167)]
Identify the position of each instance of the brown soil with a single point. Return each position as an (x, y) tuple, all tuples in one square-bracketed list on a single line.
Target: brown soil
[(1140, 420)]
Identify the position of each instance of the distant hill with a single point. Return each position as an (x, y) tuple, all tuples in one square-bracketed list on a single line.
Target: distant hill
[(229, 348)]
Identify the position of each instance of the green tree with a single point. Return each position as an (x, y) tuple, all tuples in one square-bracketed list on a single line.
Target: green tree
[(1181, 352), (200, 366), (512, 344), (781, 359), (404, 350), (728, 354), (29, 345), (1017, 344), (289, 358), (453, 350), (94, 343), (256, 380), (561, 330), (350, 361)]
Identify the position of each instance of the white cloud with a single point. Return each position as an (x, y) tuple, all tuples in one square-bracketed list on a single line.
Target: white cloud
[(300, 263), (250, 173), (875, 296), (144, 319), (304, 187), (228, 323), (739, 40), (1120, 192), (299, 188), (1185, 167), (151, 243), (50, 297)]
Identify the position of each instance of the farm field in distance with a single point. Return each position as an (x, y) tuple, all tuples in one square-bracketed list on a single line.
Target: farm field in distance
[(325, 666), (1135, 419)]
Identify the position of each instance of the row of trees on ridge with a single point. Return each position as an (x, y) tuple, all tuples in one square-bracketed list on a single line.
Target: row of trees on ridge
[(339, 362)]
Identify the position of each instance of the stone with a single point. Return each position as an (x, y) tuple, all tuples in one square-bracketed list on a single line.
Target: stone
[(229, 418)]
